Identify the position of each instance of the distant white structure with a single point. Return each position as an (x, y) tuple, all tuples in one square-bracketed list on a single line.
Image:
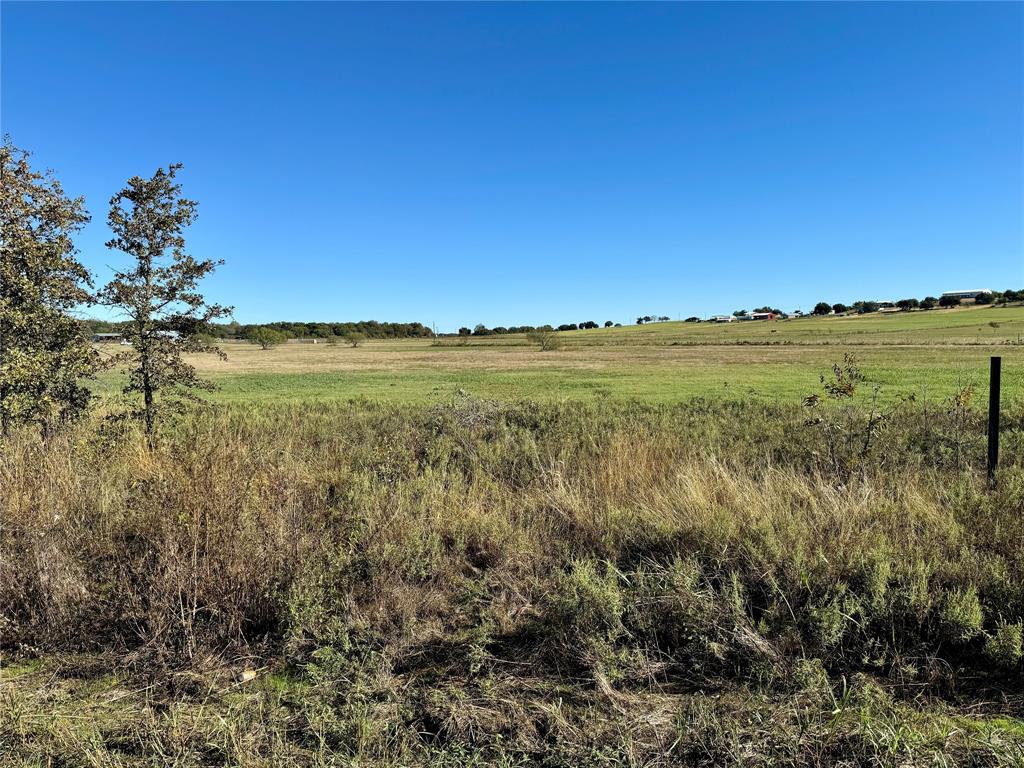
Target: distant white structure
[(971, 294), (722, 318)]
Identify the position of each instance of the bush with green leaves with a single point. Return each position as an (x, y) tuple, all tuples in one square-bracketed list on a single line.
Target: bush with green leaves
[(267, 337)]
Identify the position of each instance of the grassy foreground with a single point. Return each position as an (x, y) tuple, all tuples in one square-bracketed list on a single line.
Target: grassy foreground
[(474, 583)]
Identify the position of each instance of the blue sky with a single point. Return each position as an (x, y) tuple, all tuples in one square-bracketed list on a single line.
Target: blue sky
[(514, 163)]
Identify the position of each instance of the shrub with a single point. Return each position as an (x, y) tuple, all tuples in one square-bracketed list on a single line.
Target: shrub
[(587, 602), (546, 338), (1004, 646), (961, 615)]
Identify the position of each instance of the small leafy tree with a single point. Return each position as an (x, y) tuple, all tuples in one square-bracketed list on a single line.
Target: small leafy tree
[(159, 294), (840, 308), (949, 301), (850, 433), (44, 351), (608, 323), (546, 337), (822, 308), (355, 338), (268, 337)]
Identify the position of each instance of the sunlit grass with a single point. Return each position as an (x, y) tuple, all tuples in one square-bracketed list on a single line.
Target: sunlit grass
[(419, 374)]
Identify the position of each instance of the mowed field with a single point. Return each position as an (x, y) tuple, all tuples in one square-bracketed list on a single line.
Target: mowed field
[(929, 355)]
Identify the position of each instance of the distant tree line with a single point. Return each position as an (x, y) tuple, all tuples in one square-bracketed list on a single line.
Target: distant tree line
[(364, 329), (652, 319), (928, 302), (866, 306), (482, 330)]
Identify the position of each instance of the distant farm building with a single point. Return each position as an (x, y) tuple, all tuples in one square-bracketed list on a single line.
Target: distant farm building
[(109, 338), (971, 294), (761, 315), (722, 318)]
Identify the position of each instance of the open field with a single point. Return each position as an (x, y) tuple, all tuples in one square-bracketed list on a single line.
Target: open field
[(930, 355), (638, 550)]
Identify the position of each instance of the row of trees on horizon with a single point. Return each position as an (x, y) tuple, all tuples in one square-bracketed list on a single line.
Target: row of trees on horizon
[(375, 329), (928, 302)]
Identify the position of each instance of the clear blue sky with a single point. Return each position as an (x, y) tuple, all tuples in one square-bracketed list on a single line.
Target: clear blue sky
[(513, 163)]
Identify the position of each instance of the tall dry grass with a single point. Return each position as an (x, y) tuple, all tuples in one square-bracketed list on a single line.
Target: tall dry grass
[(399, 560)]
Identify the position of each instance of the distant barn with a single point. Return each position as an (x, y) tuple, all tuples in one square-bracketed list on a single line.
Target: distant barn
[(971, 294), (108, 338)]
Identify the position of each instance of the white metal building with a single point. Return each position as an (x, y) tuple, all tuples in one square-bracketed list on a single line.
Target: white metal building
[(971, 294)]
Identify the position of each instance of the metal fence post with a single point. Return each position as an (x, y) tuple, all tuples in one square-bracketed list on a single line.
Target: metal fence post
[(993, 419)]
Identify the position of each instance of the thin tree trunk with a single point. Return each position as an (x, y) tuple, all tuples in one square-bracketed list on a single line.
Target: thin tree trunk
[(148, 398), (5, 420), (147, 357)]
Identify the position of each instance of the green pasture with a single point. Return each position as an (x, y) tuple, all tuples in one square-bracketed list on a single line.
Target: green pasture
[(932, 374)]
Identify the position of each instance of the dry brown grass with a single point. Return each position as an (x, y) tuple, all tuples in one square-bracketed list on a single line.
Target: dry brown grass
[(418, 354), (490, 583)]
